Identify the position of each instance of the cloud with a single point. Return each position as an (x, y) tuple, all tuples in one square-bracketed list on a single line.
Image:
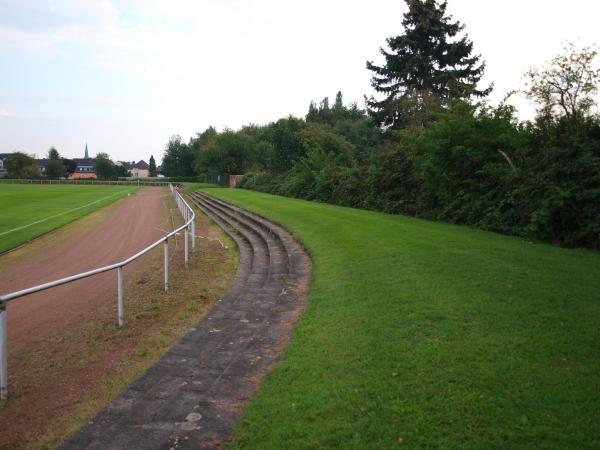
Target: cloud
[(5, 113)]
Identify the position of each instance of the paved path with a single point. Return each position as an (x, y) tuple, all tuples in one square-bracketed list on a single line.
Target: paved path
[(192, 397)]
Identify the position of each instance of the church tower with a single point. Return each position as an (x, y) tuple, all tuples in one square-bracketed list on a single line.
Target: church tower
[(87, 156)]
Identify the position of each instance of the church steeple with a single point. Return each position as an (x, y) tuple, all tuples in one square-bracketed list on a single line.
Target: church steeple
[(87, 156)]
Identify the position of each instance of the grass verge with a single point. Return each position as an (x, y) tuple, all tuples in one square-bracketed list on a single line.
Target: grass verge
[(430, 335)]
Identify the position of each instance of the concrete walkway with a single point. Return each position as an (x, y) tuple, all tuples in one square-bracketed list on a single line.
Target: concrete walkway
[(192, 397)]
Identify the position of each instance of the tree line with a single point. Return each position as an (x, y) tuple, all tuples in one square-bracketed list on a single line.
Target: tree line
[(428, 143), (21, 165)]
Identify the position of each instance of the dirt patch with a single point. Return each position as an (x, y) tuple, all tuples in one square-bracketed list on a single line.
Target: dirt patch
[(66, 354)]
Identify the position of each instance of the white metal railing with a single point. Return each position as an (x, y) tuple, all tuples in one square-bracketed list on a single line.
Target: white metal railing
[(189, 227)]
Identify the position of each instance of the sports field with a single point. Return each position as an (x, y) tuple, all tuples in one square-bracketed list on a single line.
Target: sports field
[(27, 211), (428, 335)]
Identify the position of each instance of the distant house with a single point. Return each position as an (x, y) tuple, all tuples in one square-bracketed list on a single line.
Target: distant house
[(139, 169), (85, 167), (3, 157)]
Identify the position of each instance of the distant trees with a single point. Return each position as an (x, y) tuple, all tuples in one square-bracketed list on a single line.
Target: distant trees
[(55, 167), (228, 152), (178, 160), (566, 85), (103, 166), (424, 69), (152, 167), (21, 165), (429, 148)]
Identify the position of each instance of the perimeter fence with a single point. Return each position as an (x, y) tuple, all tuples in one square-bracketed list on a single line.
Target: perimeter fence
[(138, 182)]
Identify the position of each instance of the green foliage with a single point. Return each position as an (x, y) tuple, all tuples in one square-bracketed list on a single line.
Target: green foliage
[(178, 160), (152, 167), (466, 162), (563, 185), (104, 167), (228, 152), (20, 165), (55, 167), (53, 153), (282, 143), (566, 85), (120, 171), (348, 121), (426, 67)]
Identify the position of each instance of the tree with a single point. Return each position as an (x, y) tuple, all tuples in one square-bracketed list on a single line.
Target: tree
[(103, 166), (54, 168), (152, 166), (120, 170), (566, 84), (178, 160), (20, 165), (423, 68), (53, 153), (283, 137), (229, 152)]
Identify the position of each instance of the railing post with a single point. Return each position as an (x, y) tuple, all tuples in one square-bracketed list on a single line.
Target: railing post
[(3, 354), (166, 265), (193, 235), (185, 240), (120, 295)]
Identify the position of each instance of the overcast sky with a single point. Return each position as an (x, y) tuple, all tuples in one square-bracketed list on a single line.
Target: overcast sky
[(125, 75)]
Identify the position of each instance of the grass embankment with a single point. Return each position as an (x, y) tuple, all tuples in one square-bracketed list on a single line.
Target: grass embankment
[(191, 187), (28, 211), (430, 335)]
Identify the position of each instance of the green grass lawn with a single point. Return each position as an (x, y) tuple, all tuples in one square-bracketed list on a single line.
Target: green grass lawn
[(27, 211), (430, 335)]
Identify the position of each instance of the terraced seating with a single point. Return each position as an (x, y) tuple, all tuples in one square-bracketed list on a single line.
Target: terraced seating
[(192, 397)]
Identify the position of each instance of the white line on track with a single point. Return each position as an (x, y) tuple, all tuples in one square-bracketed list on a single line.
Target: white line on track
[(57, 215)]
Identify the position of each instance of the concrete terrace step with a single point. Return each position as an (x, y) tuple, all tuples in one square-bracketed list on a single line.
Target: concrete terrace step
[(192, 397)]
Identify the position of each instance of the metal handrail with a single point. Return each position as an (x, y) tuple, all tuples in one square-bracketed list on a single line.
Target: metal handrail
[(190, 222)]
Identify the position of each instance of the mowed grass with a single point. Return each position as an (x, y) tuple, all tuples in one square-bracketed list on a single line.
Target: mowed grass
[(21, 206), (429, 335)]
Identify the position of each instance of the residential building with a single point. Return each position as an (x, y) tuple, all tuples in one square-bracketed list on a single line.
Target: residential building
[(85, 167), (139, 169)]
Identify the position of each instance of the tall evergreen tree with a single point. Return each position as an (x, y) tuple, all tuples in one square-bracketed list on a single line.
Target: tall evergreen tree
[(152, 166), (424, 67)]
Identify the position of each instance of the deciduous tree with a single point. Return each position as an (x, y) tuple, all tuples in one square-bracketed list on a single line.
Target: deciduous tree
[(103, 166), (20, 165), (55, 167), (566, 85)]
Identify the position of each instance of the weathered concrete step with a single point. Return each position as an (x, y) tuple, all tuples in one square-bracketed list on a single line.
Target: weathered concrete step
[(279, 267), (296, 259), (259, 274)]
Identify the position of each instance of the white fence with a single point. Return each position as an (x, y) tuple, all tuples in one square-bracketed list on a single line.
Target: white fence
[(189, 227), (136, 182)]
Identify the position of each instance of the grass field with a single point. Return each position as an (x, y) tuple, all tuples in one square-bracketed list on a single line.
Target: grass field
[(429, 335), (27, 211)]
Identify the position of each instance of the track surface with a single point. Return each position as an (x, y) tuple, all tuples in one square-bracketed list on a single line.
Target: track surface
[(192, 396), (131, 225)]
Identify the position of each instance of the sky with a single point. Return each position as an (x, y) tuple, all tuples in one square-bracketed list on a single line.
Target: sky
[(126, 75)]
